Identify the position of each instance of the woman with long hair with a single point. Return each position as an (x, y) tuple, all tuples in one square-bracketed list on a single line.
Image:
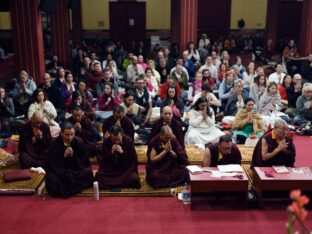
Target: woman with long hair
[(202, 128), (40, 102), (175, 103), (248, 122), (258, 88), (270, 105), (78, 100), (226, 88)]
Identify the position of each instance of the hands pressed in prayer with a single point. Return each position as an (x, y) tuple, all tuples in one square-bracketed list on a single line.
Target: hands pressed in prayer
[(108, 100), (77, 127), (68, 152), (273, 101), (282, 145), (249, 120), (232, 90), (117, 148), (118, 123)]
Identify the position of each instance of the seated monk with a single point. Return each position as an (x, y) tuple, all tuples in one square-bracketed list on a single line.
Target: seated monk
[(118, 162), (35, 138), (118, 118), (68, 167), (166, 161), (167, 119), (221, 153), (83, 129), (274, 148)]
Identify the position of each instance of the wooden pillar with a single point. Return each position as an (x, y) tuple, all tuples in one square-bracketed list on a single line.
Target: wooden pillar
[(271, 20), (28, 40), (184, 22), (60, 33), (306, 29), (77, 23)]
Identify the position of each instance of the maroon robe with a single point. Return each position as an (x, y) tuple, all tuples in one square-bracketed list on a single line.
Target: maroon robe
[(87, 134), (34, 154), (118, 170), (176, 127), (68, 176), (234, 157), (286, 157), (169, 171), (126, 125)]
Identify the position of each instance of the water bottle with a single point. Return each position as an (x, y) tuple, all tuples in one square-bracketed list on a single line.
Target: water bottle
[(96, 193), (186, 196), (234, 137)]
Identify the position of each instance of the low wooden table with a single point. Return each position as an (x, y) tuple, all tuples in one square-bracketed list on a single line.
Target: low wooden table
[(281, 182), (204, 182)]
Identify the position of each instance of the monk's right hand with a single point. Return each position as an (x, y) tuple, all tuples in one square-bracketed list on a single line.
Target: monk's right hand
[(282, 146)]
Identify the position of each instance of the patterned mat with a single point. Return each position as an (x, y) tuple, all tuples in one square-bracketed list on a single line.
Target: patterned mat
[(144, 191), (195, 155), (20, 187)]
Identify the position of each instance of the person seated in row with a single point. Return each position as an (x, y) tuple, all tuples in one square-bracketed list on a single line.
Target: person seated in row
[(304, 105), (212, 99), (83, 129), (175, 103), (274, 148), (41, 103), (166, 161), (226, 89), (7, 112), (270, 105), (294, 91), (22, 93), (118, 162), (35, 138), (221, 153), (78, 100), (143, 99), (68, 167), (234, 103), (248, 122), (202, 128), (168, 119), (118, 118)]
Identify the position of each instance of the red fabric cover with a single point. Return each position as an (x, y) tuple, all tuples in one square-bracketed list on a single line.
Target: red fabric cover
[(11, 176)]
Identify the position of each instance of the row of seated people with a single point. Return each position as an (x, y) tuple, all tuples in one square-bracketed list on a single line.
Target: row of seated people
[(69, 171)]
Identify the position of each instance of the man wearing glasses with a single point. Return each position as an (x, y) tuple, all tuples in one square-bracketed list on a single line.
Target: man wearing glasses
[(275, 148)]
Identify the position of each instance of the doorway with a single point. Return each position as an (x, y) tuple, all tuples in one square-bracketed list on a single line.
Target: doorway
[(127, 22)]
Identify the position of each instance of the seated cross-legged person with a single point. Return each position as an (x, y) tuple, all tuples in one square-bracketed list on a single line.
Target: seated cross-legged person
[(166, 161), (35, 138), (118, 118), (221, 153), (274, 148), (202, 128), (167, 119), (247, 122), (84, 129), (118, 162), (68, 166)]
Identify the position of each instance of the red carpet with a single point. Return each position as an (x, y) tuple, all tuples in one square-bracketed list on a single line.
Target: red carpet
[(31, 214), (130, 215)]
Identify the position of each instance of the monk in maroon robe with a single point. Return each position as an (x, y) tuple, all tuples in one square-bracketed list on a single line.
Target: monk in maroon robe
[(83, 129), (166, 161), (274, 148), (69, 169), (221, 153), (118, 162), (35, 138), (118, 118), (167, 119)]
